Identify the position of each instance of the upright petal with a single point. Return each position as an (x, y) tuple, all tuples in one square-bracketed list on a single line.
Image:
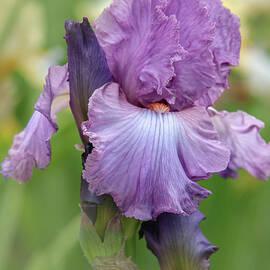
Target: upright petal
[(178, 242), (210, 35), (141, 44), (31, 147), (227, 43), (146, 160), (195, 74), (241, 132), (225, 48), (87, 66)]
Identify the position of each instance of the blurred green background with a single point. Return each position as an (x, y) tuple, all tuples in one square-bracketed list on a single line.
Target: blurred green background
[(39, 221)]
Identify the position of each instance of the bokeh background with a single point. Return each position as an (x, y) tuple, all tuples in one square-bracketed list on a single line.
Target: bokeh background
[(39, 221)]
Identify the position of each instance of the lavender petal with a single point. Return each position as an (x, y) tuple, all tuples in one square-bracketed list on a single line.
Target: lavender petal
[(32, 147), (241, 133), (147, 161)]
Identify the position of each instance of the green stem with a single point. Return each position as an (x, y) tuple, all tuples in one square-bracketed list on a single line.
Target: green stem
[(130, 228), (105, 212)]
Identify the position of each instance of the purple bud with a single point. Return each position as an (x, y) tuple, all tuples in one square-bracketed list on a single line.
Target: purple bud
[(178, 242), (87, 66)]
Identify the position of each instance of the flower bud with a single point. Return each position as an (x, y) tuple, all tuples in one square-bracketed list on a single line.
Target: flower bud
[(178, 242)]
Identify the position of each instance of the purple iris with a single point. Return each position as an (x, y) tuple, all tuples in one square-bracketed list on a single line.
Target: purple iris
[(152, 135), (149, 120)]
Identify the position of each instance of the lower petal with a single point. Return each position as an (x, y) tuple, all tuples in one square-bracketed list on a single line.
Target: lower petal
[(55, 96), (241, 132), (30, 148), (147, 160)]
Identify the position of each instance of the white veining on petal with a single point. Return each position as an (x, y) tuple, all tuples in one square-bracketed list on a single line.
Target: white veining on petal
[(145, 159)]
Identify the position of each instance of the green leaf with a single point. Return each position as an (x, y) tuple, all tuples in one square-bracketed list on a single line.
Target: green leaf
[(108, 253)]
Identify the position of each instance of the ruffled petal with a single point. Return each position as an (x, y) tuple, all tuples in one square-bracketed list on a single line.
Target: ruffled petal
[(87, 66), (241, 133), (178, 242), (55, 96), (227, 43), (210, 35), (141, 44), (180, 51), (225, 48), (195, 74), (146, 160), (31, 147)]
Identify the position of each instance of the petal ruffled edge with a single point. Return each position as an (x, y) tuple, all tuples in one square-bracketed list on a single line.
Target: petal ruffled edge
[(241, 133), (227, 43), (141, 44), (195, 73), (210, 34), (32, 147), (206, 39), (132, 148), (225, 49), (55, 96)]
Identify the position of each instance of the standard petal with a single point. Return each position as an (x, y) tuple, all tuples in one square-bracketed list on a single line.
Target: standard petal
[(141, 44), (195, 74), (210, 35), (178, 242), (31, 147), (88, 69), (146, 160), (241, 133), (227, 43), (225, 48)]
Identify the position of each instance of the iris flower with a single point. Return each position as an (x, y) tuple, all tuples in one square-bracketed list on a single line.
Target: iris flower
[(149, 118)]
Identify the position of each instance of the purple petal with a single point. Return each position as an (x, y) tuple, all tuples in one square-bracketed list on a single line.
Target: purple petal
[(195, 74), (180, 51), (146, 160), (31, 147), (210, 97), (55, 96), (225, 48), (210, 34), (141, 45), (228, 173), (178, 242), (241, 132), (227, 43), (88, 69)]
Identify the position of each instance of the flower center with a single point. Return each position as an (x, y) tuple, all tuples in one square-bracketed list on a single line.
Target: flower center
[(159, 107)]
